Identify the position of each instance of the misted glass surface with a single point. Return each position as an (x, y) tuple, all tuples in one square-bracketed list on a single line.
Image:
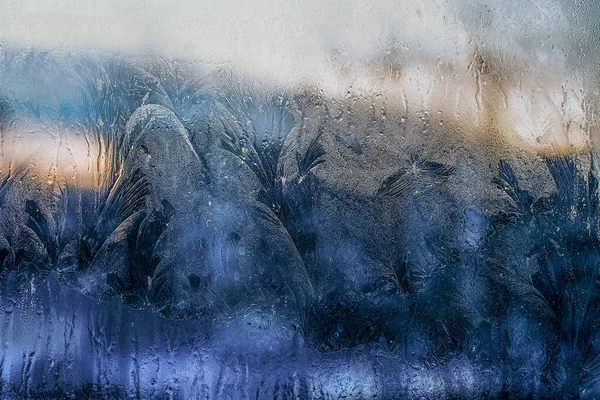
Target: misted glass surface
[(299, 200)]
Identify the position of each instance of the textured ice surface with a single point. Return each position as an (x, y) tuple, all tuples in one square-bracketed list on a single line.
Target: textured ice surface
[(395, 201)]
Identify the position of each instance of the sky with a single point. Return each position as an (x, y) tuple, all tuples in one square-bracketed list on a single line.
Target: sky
[(292, 39), (530, 63)]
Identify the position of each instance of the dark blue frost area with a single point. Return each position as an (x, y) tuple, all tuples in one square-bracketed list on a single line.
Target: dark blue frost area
[(215, 249)]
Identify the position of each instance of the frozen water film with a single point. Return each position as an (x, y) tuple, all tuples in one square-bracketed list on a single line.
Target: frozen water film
[(299, 200)]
